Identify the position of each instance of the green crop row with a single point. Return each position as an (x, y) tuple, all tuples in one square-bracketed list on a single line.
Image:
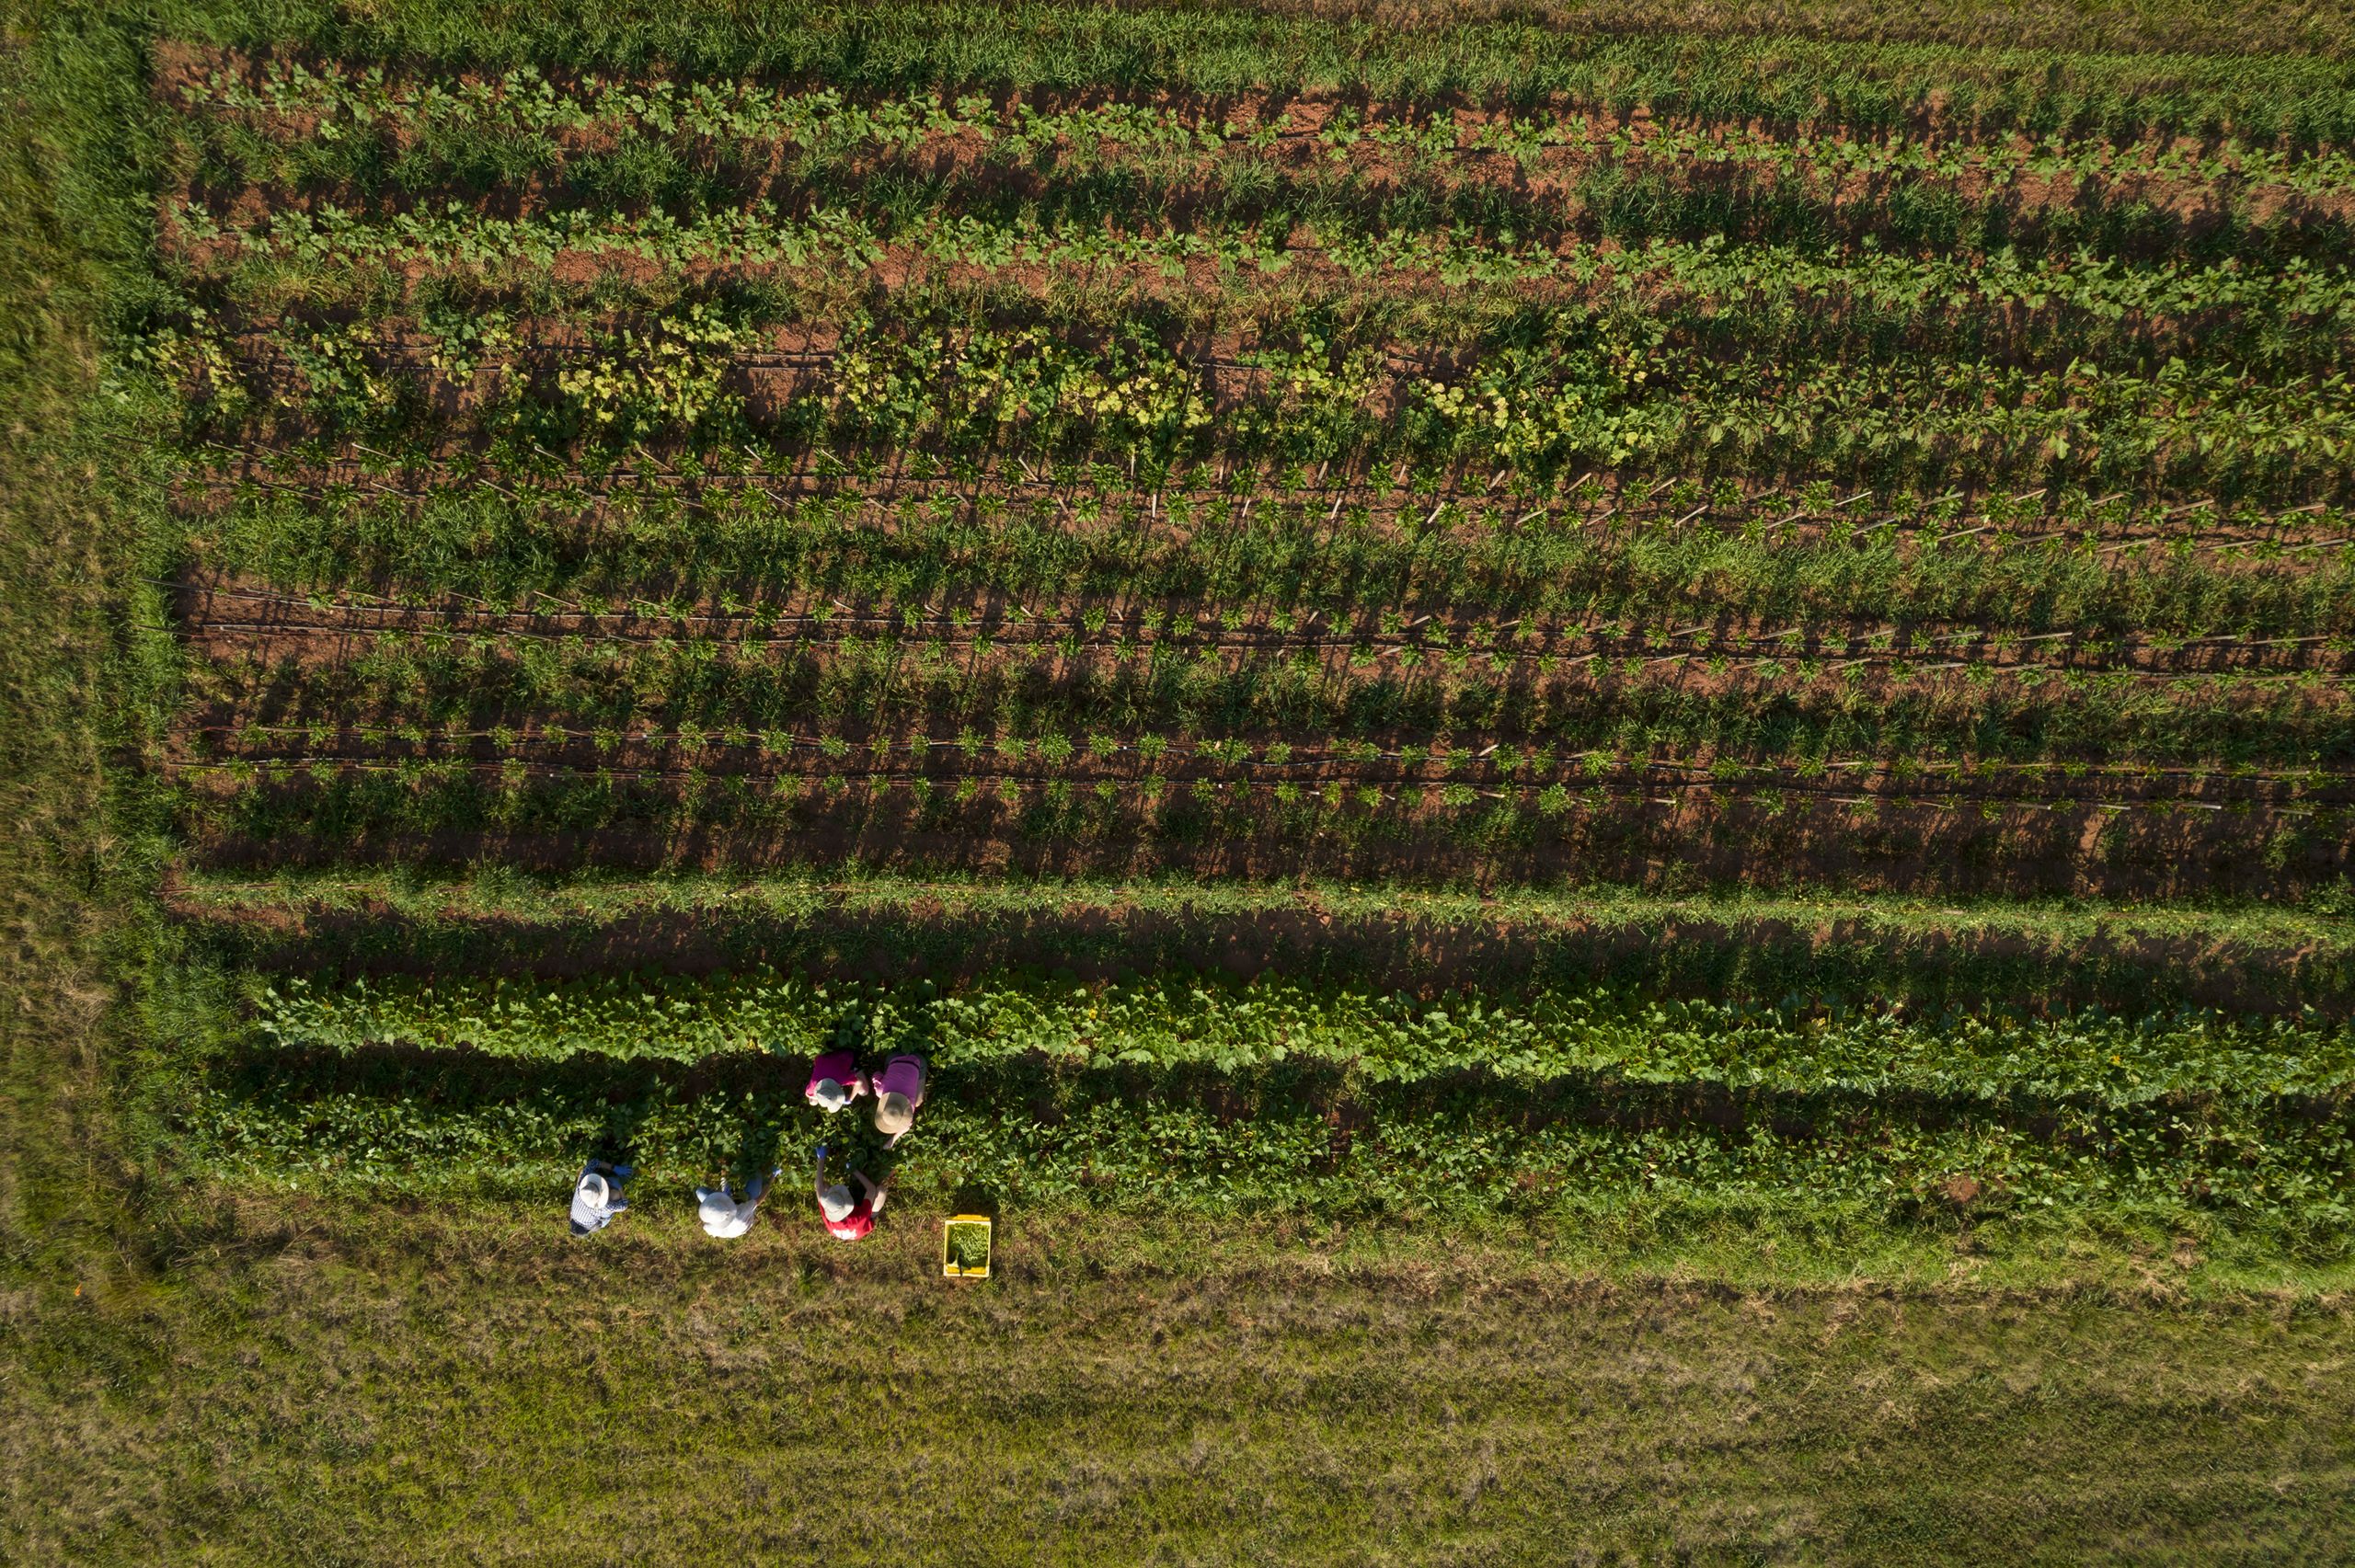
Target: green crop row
[(1037, 1134), (1277, 557), (1239, 225), (2082, 72), (1434, 505), (1804, 954), (1927, 421), (429, 135), (288, 101), (1705, 298), (691, 692), (1641, 700), (1934, 837), (1549, 1034)]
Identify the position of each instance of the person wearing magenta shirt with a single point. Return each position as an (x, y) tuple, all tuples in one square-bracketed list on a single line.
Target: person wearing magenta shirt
[(846, 1218), (834, 1081), (899, 1090)]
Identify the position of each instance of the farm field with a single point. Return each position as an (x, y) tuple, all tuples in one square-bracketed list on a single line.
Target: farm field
[(1684, 670)]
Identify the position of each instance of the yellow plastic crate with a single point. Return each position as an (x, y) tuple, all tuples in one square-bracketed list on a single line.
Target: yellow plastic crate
[(948, 1264)]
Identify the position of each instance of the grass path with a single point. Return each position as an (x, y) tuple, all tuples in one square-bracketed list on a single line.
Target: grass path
[(321, 1385)]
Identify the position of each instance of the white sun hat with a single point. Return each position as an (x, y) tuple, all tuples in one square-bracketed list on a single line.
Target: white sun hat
[(833, 1202), (831, 1095), (594, 1190)]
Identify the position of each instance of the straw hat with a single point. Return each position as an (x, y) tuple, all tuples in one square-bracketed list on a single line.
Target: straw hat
[(893, 1115)]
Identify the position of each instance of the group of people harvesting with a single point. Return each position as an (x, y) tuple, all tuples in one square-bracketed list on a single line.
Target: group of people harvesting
[(835, 1080)]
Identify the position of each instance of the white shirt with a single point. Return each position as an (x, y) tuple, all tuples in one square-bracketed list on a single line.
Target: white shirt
[(721, 1215)]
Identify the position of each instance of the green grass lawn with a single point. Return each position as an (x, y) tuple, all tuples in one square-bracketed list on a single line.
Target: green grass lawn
[(306, 1384)]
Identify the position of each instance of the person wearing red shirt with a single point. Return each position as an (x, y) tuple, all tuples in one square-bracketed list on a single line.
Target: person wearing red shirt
[(847, 1218)]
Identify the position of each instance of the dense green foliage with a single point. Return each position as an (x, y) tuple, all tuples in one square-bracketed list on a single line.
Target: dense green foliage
[(1166, 1022)]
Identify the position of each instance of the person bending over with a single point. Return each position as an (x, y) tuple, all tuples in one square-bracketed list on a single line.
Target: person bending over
[(597, 1195), (899, 1090), (726, 1216), (835, 1080), (847, 1218)]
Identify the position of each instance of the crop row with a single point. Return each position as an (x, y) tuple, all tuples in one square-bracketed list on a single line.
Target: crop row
[(338, 136), (1703, 302), (332, 254), (1808, 956), (1993, 88), (749, 632), (1154, 763), (1120, 1144), (340, 796), (640, 694), (1934, 842), (914, 488), (740, 547), (1707, 295), (1168, 1022), (1323, 1099), (1540, 408)]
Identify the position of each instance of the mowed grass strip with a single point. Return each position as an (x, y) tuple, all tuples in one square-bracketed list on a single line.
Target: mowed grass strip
[(383, 1385)]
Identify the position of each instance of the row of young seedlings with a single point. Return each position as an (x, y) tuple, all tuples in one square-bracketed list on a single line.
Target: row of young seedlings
[(2071, 80), (2187, 424), (307, 288), (909, 485), (1009, 127), (215, 796), (1676, 704), (249, 747), (1123, 631), (1681, 702), (1695, 300)]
